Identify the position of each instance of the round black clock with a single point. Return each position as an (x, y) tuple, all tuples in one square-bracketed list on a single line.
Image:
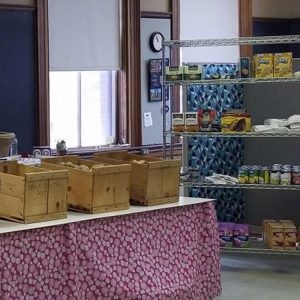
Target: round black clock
[(155, 41)]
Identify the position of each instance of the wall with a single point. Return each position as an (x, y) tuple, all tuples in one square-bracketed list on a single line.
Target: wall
[(276, 8), (209, 19), (152, 134), (155, 5)]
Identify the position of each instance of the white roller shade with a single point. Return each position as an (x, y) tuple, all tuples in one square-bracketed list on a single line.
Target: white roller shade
[(84, 35)]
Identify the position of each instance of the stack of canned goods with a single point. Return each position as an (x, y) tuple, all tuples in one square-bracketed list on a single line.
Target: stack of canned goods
[(277, 174)]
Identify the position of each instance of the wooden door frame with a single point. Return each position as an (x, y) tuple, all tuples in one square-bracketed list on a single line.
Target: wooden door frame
[(245, 25)]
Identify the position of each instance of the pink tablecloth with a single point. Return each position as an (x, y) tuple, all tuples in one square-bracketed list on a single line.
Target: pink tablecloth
[(164, 254)]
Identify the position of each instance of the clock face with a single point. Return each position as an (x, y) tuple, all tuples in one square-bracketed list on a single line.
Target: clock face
[(156, 40)]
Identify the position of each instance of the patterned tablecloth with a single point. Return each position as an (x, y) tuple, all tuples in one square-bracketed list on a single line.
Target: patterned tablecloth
[(163, 254)]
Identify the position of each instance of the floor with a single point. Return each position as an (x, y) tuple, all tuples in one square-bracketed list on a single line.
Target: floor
[(260, 277)]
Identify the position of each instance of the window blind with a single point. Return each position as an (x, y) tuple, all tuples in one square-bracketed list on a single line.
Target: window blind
[(84, 35)]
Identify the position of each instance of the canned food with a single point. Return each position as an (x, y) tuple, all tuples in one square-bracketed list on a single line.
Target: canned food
[(243, 175), (275, 174), (264, 175), (296, 175), (286, 175), (254, 174)]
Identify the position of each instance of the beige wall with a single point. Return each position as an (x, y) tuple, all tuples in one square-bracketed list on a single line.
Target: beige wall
[(155, 5), (18, 2), (276, 8)]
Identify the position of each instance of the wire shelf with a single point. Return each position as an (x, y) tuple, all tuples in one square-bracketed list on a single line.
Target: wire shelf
[(233, 81), (201, 184), (234, 135), (260, 250), (259, 40)]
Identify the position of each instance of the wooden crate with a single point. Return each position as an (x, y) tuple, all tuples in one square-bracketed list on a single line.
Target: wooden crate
[(154, 182), (29, 194), (103, 188)]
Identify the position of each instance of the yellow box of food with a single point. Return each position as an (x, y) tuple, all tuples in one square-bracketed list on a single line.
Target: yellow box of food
[(283, 64), (233, 123), (263, 65), (290, 236), (275, 236)]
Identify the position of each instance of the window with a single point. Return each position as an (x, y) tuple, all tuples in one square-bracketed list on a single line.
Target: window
[(82, 108)]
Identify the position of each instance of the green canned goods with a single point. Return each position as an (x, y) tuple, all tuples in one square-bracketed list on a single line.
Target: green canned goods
[(253, 174), (266, 174), (275, 174), (243, 175)]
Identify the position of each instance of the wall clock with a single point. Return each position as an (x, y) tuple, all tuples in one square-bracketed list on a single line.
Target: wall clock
[(155, 41)]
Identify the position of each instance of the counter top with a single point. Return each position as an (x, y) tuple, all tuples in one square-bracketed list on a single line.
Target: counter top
[(6, 226)]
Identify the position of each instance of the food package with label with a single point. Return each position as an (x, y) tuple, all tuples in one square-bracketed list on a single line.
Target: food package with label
[(275, 236), (178, 122), (283, 64), (233, 122), (263, 65), (265, 229), (225, 234), (240, 235), (191, 122), (290, 235), (245, 67), (192, 72), (208, 121), (174, 73)]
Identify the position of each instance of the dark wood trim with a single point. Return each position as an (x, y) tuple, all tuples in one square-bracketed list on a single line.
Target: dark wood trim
[(156, 15), (129, 78), (43, 121), (175, 54), (122, 106), (245, 25), (283, 20), (18, 7)]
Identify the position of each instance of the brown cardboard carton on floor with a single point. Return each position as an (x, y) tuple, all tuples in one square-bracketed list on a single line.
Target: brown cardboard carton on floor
[(275, 236), (290, 236)]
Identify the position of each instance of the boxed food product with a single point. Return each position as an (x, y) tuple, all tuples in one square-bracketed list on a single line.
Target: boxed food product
[(263, 65), (290, 236), (240, 235), (178, 122), (283, 64), (225, 234), (192, 72), (245, 67), (275, 236), (265, 229), (191, 122), (233, 122), (207, 119), (174, 73)]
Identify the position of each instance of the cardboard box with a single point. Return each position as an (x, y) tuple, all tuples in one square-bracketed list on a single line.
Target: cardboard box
[(178, 122), (265, 229), (174, 73), (192, 72), (191, 122), (263, 65), (283, 64), (275, 236), (233, 123), (290, 236)]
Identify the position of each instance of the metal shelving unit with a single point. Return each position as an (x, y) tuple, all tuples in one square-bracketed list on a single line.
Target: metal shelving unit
[(261, 250), (234, 135), (199, 184), (196, 182), (259, 40), (233, 81)]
